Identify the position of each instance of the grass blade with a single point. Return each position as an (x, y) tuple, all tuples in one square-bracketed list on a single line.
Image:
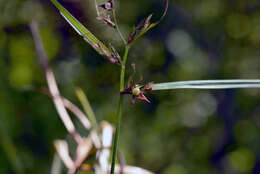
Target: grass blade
[(83, 31), (209, 84), (87, 108)]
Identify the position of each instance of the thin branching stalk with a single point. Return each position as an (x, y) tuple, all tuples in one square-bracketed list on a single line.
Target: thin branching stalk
[(96, 5), (52, 85), (71, 107), (117, 27), (77, 112), (119, 110), (56, 165)]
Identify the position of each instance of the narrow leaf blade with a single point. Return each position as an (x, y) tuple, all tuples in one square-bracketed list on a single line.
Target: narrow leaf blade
[(209, 84), (87, 108), (83, 31)]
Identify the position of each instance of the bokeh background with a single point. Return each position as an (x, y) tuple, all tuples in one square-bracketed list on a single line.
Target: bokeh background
[(181, 131)]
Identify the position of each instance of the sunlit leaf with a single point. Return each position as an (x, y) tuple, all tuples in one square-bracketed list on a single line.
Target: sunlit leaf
[(208, 84), (86, 34)]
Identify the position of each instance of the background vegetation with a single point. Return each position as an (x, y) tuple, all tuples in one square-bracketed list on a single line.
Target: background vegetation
[(181, 131)]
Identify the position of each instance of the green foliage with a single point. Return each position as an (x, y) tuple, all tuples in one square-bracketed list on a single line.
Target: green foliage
[(182, 130), (242, 160), (83, 31)]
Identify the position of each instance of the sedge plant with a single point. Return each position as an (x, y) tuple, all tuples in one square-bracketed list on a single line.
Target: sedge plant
[(137, 91)]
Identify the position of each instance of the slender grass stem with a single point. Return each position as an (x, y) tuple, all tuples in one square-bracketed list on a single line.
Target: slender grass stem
[(87, 108), (117, 27), (119, 110), (122, 75), (56, 165), (52, 84), (96, 5)]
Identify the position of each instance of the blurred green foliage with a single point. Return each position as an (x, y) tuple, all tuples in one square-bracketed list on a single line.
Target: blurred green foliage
[(182, 131)]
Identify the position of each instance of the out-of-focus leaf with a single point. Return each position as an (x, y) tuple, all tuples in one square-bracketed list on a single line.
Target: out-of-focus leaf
[(87, 108), (86, 34), (145, 25), (208, 84), (8, 146)]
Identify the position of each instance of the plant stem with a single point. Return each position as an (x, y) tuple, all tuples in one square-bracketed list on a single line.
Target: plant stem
[(117, 27), (96, 5), (119, 110), (52, 84), (122, 76)]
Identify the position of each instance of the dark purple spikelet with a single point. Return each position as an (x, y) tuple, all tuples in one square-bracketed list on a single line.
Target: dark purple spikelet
[(145, 25), (107, 20), (109, 5), (138, 92)]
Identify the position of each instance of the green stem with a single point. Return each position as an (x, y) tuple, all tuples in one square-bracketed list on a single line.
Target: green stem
[(119, 110), (122, 76)]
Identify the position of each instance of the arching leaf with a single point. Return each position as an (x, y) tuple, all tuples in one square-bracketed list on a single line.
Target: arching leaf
[(86, 34)]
